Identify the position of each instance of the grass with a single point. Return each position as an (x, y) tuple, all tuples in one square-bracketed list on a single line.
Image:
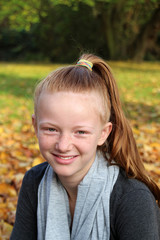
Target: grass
[(17, 83), (138, 84)]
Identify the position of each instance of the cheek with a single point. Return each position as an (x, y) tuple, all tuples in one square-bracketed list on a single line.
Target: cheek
[(45, 142), (88, 146)]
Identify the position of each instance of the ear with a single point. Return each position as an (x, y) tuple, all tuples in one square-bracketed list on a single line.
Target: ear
[(106, 130), (34, 123)]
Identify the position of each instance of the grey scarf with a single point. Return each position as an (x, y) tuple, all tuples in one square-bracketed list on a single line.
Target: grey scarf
[(91, 217)]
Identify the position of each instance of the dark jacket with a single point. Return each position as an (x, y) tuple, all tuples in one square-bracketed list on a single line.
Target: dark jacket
[(134, 214)]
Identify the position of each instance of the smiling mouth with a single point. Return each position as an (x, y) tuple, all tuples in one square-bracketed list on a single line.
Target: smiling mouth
[(65, 159)]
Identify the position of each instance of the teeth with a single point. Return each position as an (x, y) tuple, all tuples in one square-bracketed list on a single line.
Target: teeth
[(65, 157)]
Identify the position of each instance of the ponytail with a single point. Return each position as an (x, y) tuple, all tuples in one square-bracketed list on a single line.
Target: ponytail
[(121, 144)]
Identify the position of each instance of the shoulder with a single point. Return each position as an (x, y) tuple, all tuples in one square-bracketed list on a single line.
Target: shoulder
[(37, 171), (32, 179), (130, 189), (133, 206), (125, 186), (26, 213), (35, 174), (29, 189)]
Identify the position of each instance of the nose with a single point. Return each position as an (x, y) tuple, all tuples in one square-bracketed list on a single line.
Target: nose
[(64, 143)]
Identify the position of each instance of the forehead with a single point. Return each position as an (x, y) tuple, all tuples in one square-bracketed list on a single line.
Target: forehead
[(89, 101)]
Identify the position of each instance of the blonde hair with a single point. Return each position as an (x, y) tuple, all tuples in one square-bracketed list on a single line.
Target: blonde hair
[(120, 144)]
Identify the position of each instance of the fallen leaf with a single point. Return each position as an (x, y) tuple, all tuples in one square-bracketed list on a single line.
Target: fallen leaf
[(6, 189)]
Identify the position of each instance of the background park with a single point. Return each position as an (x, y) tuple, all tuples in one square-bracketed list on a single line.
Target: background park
[(37, 36)]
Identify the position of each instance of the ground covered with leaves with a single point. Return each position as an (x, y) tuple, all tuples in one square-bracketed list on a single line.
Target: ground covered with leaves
[(140, 94)]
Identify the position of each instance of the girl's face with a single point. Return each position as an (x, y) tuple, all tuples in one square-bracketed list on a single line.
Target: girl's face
[(69, 129)]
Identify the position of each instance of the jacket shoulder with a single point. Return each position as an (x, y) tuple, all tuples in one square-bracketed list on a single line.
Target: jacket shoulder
[(133, 203), (33, 176)]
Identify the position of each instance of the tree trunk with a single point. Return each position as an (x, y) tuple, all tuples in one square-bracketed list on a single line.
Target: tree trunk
[(147, 37), (105, 14), (112, 21)]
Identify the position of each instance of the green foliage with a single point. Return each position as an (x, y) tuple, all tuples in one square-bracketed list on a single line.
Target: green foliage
[(57, 30), (19, 14)]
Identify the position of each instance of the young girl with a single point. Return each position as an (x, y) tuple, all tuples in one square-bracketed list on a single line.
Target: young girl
[(93, 185)]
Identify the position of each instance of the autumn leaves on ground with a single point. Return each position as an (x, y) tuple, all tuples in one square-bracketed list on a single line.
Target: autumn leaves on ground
[(140, 94)]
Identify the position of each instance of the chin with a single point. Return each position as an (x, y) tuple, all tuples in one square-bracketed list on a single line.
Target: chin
[(62, 171)]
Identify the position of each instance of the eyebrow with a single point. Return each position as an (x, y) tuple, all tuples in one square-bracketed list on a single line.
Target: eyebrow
[(55, 125), (49, 123), (83, 126)]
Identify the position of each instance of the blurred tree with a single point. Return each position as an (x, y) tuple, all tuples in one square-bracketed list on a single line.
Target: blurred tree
[(115, 29), (130, 27), (147, 37)]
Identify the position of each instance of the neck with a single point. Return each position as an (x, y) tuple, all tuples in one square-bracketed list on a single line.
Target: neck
[(71, 187), (70, 183)]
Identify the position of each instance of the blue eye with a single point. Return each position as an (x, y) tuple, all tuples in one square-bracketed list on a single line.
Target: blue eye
[(81, 132), (51, 129)]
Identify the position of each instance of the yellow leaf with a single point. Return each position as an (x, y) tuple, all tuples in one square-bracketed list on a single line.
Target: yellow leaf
[(37, 161), (147, 148), (6, 230), (3, 157), (7, 189), (34, 146), (16, 153), (136, 131), (151, 167), (148, 167), (3, 211), (3, 170), (26, 128), (155, 145), (1, 130)]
